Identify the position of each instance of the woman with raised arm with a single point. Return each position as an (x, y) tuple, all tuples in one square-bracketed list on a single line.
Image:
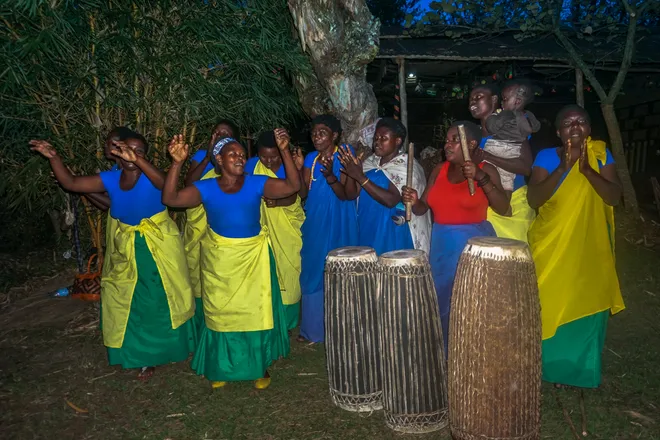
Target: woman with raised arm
[(574, 188), (457, 215), (330, 220), (146, 298), (245, 320)]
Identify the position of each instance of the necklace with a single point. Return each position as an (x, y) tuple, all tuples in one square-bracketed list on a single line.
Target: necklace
[(311, 174)]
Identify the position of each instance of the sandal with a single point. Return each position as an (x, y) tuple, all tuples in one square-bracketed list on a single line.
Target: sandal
[(263, 383), (146, 373)]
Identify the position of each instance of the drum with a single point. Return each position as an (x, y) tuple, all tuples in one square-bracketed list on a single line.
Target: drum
[(495, 343), (351, 343), (414, 379)]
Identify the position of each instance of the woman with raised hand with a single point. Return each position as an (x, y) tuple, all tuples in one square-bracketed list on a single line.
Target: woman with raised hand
[(146, 297), (245, 320)]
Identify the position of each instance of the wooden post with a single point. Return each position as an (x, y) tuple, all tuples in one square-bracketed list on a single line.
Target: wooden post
[(402, 91), (579, 87)]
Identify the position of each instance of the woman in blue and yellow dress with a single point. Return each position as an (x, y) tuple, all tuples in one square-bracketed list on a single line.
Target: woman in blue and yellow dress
[(145, 291), (245, 327), (574, 188), (284, 218)]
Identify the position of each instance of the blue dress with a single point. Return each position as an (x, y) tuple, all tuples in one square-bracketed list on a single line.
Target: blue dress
[(329, 224), (376, 222)]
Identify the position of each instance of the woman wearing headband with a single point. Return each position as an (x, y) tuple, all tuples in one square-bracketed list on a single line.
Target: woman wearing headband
[(245, 327), (330, 219)]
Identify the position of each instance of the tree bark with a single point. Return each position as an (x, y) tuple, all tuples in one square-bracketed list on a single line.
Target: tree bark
[(613, 129), (341, 39)]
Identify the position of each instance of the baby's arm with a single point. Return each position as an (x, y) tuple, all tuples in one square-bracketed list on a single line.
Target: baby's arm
[(534, 123), (497, 121)]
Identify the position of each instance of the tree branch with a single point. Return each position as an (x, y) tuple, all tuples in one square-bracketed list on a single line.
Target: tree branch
[(628, 52)]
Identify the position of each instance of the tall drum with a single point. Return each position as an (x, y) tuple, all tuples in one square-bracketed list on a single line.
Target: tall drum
[(495, 343), (351, 343), (414, 379)]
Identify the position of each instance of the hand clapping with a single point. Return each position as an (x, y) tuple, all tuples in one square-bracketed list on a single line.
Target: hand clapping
[(178, 148)]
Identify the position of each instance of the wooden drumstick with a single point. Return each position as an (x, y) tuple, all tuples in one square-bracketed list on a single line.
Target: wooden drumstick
[(409, 177), (466, 154)]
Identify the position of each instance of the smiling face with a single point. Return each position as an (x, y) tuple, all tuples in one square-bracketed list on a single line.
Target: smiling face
[(270, 157), (482, 103), (386, 142), (574, 125), (323, 137), (231, 159), (140, 150), (453, 151)]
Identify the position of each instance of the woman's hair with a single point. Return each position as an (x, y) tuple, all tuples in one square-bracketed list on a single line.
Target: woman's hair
[(121, 132), (569, 109), (138, 136), (393, 125), (214, 161), (491, 87), (329, 121), (266, 140), (472, 130), (234, 128)]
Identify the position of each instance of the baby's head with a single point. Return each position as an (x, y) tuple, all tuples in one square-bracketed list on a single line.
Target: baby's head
[(517, 94)]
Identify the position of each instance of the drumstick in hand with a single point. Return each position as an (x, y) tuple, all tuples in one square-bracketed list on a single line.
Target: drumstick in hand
[(409, 177), (466, 154)]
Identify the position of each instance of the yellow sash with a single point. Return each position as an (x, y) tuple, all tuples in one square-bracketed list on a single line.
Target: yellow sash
[(522, 216), (119, 280), (573, 250), (111, 226), (192, 234), (236, 283), (284, 222)]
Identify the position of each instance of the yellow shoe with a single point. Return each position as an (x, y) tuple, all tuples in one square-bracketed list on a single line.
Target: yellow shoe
[(262, 384), (218, 384)]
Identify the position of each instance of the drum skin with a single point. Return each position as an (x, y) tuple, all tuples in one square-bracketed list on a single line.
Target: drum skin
[(351, 329), (495, 343), (414, 375)]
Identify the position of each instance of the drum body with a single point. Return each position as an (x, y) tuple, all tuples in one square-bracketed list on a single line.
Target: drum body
[(351, 343), (495, 343), (414, 379)]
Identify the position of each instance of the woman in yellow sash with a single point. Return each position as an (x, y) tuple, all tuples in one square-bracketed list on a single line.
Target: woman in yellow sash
[(145, 292), (284, 218), (201, 168), (484, 101), (572, 239), (245, 322)]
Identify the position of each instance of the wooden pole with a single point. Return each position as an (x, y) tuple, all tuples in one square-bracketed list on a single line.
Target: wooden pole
[(402, 93), (409, 177), (466, 154), (579, 87)]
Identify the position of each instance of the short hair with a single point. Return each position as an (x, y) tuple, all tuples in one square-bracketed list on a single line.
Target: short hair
[(121, 132), (525, 89), (267, 140), (138, 136), (490, 86), (395, 126), (472, 130), (234, 128), (329, 121), (568, 109)]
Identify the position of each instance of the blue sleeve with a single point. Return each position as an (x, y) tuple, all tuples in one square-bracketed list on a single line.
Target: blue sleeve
[(547, 159), (309, 159), (609, 159), (198, 156), (258, 183), (200, 185), (106, 178), (251, 164)]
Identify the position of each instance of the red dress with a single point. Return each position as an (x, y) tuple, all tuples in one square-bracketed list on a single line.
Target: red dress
[(452, 204)]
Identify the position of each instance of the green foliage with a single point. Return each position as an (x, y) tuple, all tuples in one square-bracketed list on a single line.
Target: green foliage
[(393, 12), (73, 70)]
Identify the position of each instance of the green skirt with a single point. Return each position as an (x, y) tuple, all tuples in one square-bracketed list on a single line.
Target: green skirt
[(292, 312), (235, 356), (573, 355), (150, 339), (198, 318)]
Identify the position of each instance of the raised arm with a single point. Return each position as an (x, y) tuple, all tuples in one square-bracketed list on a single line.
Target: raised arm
[(127, 153), (280, 188), (389, 197), (196, 170), (189, 196), (79, 184), (606, 183)]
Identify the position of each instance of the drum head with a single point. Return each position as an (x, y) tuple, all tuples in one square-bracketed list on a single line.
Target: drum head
[(352, 253), (500, 248), (404, 258)]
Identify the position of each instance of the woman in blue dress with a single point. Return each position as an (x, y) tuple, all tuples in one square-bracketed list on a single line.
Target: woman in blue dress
[(201, 162), (246, 327), (381, 214), (330, 219)]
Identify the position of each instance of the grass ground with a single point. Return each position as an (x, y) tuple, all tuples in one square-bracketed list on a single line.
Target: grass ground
[(51, 353)]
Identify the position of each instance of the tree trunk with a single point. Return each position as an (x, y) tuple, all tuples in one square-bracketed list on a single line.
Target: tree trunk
[(629, 196), (341, 39)]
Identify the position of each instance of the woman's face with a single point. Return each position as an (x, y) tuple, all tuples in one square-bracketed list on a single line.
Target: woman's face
[(453, 151), (482, 103), (270, 157), (109, 146), (386, 142), (231, 159), (140, 150), (574, 126), (222, 131), (323, 137)]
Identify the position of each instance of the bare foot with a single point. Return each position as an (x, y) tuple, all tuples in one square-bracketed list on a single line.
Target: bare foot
[(146, 373), (301, 339)]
